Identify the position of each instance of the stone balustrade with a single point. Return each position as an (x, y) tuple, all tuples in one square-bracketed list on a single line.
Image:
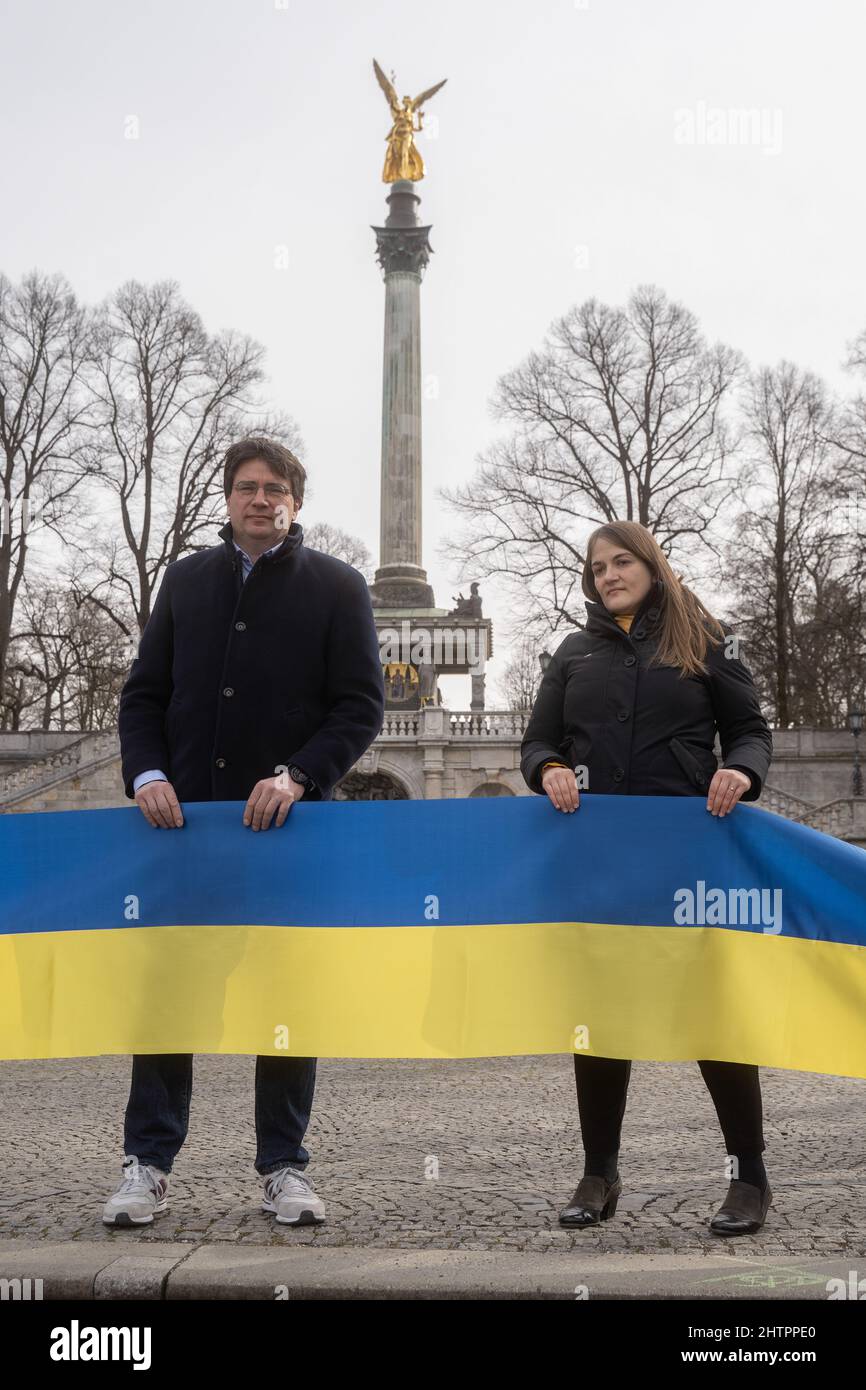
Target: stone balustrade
[(86, 751), (435, 721)]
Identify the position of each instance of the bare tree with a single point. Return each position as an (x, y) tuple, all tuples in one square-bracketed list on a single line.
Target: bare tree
[(800, 604), (44, 414), (67, 662), (522, 675), (171, 398), (618, 417), (323, 536)]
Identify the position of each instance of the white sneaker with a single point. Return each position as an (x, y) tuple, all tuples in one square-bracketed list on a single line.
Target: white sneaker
[(290, 1196), (140, 1196)]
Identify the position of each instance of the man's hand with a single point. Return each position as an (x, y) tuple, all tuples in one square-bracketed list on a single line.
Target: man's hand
[(159, 805), (726, 789), (271, 794), (560, 784)]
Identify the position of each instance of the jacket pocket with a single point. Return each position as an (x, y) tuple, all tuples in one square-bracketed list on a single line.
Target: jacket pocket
[(697, 773), (293, 726), (576, 750)]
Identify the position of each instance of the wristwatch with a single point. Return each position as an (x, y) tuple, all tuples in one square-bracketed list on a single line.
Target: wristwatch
[(297, 774)]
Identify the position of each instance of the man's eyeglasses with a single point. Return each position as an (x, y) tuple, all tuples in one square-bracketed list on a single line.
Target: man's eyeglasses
[(272, 490)]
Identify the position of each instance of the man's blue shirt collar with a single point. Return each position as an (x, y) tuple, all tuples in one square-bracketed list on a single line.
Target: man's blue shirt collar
[(246, 562)]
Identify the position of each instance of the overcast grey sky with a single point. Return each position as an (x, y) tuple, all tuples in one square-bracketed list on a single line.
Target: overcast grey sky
[(570, 156)]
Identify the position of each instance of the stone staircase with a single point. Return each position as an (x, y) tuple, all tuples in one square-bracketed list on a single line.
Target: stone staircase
[(833, 818), (791, 807), (83, 757)]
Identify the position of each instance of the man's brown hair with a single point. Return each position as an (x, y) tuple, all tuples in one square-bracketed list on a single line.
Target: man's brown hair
[(278, 458)]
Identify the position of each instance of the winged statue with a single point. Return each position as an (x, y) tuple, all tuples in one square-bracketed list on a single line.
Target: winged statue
[(402, 158)]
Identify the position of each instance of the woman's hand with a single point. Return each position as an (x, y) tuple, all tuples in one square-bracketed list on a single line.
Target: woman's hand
[(726, 788), (560, 784)]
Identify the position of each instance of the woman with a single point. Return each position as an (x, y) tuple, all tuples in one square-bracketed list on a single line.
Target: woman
[(633, 702)]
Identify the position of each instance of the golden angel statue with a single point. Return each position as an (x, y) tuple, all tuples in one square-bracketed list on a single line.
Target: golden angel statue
[(402, 160)]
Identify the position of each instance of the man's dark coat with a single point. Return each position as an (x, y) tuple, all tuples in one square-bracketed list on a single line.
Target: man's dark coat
[(234, 681)]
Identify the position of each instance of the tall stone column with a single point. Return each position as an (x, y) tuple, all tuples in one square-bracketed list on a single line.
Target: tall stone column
[(403, 250)]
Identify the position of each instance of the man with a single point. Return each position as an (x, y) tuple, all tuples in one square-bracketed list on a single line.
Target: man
[(257, 679)]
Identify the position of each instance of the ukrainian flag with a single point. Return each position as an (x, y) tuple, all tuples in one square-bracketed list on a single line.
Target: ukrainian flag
[(639, 927)]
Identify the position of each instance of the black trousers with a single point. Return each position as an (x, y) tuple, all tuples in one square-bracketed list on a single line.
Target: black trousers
[(602, 1086)]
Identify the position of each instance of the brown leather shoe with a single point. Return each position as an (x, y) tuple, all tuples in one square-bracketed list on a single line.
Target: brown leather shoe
[(744, 1209), (594, 1200)]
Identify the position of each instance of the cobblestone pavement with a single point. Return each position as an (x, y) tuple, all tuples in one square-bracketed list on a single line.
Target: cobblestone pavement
[(502, 1132)]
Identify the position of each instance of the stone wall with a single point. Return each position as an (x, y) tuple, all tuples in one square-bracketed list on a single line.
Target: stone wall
[(433, 753)]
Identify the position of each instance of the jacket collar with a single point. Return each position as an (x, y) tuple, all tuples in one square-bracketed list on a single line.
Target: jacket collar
[(292, 542), (602, 621)]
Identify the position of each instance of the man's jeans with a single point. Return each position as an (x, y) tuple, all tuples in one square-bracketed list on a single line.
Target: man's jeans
[(157, 1115)]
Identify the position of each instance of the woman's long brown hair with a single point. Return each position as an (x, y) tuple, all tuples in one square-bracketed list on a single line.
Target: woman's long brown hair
[(685, 625)]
